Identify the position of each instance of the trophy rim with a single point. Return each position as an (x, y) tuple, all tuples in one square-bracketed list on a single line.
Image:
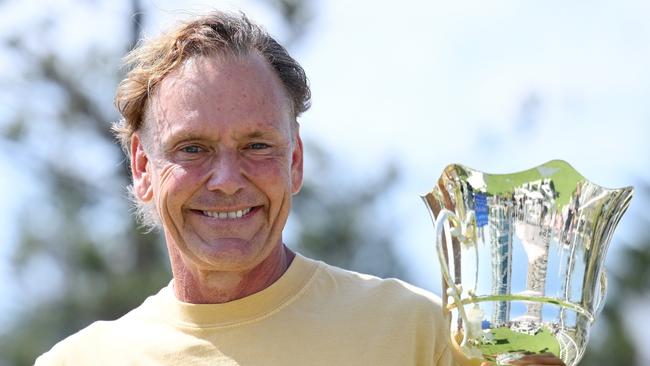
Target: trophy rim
[(553, 164)]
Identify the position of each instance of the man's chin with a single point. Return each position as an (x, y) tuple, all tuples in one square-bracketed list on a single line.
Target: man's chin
[(229, 254)]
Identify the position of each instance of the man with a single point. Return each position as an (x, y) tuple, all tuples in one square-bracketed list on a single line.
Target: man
[(210, 125)]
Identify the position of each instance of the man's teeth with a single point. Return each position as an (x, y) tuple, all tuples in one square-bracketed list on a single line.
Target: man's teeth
[(227, 215)]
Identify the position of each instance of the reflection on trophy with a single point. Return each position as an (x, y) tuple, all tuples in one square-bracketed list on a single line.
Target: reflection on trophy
[(522, 259)]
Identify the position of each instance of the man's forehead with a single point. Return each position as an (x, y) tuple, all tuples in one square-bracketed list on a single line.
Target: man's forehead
[(227, 79), (237, 68), (220, 91), (230, 82)]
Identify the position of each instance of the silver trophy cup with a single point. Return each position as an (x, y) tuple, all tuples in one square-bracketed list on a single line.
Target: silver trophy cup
[(522, 259)]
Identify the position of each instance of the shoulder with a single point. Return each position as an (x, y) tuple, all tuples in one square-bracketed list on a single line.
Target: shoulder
[(389, 311), (77, 345), (382, 292), (98, 340)]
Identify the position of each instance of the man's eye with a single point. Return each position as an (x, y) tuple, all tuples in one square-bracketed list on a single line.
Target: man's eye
[(258, 146), (191, 149)]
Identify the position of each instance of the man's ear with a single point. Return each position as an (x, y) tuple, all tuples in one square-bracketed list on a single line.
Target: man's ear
[(140, 170), (296, 164)]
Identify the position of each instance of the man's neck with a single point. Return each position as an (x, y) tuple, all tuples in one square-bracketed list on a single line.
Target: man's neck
[(216, 287)]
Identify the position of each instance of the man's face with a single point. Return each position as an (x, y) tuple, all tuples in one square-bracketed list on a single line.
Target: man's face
[(222, 161)]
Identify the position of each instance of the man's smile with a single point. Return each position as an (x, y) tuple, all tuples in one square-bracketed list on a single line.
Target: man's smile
[(225, 214)]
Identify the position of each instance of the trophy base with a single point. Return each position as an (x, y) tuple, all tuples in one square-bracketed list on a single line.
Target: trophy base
[(518, 325), (507, 343)]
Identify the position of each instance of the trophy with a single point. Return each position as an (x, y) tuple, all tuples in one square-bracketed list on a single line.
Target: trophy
[(522, 258)]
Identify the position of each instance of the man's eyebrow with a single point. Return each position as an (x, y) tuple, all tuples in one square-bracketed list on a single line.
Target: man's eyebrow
[(261, 134), (187, 136)]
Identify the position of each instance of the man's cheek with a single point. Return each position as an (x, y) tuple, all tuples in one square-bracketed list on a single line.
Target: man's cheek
[(168, 196)]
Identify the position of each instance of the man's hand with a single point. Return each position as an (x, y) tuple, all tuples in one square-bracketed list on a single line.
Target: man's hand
[(535, 360)]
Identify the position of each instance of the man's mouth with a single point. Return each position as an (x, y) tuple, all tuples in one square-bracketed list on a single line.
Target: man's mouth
[(228, 214)]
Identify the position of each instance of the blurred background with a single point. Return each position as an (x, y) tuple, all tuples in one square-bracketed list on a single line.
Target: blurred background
[(400, 90)]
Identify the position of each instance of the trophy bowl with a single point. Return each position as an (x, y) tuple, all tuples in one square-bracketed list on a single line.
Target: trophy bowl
[(522, 258)]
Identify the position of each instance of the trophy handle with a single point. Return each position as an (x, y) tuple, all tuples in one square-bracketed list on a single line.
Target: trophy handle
[(602, 293), (442, 225)]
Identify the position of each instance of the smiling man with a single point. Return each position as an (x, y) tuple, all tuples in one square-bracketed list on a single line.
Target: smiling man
[(221, 159), (210, 126)]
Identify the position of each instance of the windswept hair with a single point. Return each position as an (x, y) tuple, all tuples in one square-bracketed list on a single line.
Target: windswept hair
[(214, 34)]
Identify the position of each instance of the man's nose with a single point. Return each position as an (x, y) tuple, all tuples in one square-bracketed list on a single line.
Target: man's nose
[(226, 173)]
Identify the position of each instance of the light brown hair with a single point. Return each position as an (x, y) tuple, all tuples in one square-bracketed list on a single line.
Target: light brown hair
[(214, 34)]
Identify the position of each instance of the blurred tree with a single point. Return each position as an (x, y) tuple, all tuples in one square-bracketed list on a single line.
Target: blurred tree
[(73, 234), (80, 257), (338, 222)]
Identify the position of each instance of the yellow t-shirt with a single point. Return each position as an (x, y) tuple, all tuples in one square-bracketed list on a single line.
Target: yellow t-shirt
[(315, 314)]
